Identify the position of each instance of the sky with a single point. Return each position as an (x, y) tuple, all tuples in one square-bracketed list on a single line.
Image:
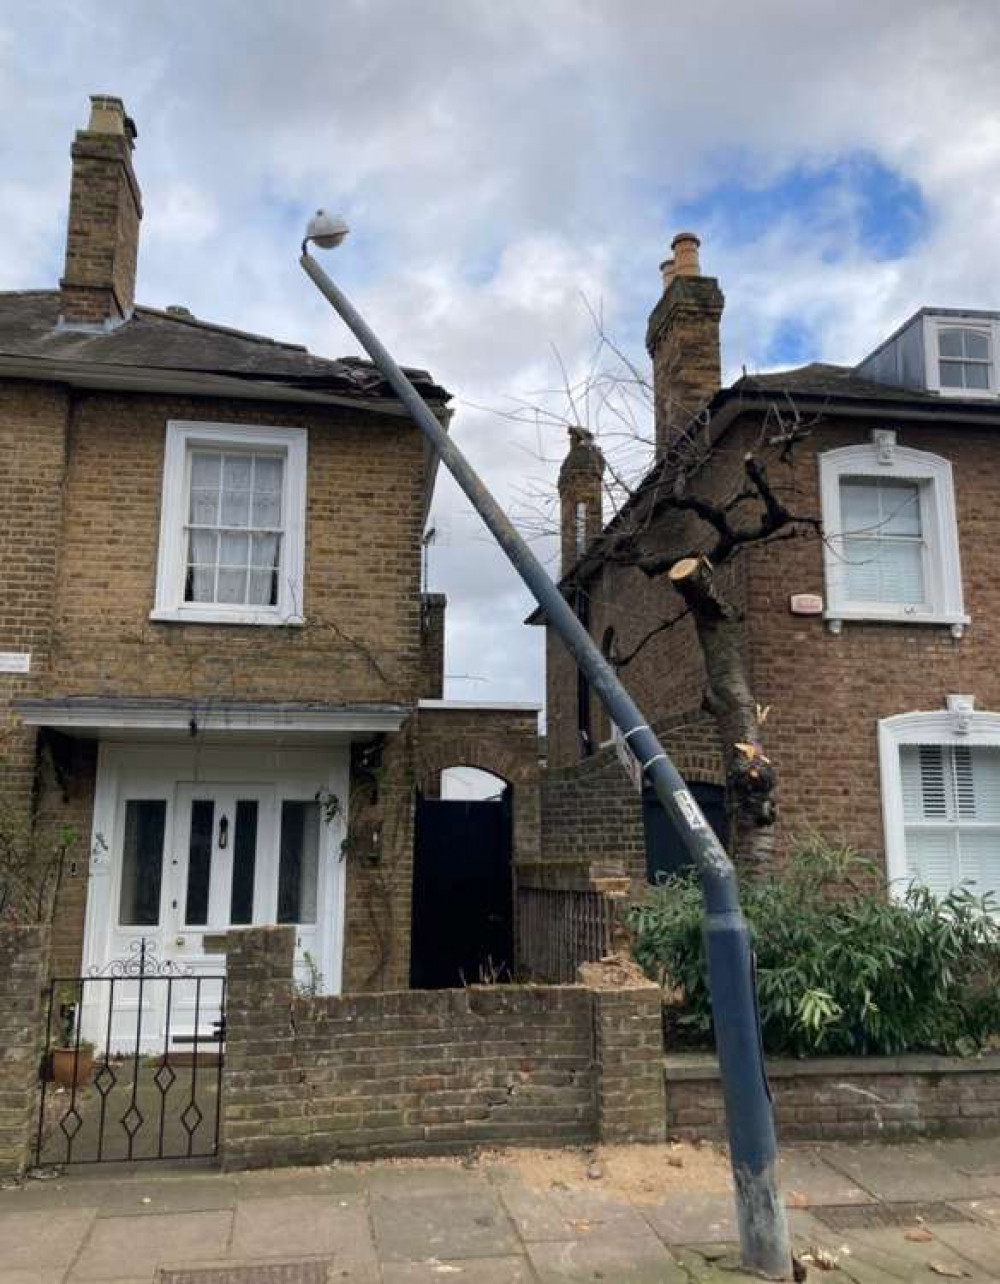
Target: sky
[(508, 167)]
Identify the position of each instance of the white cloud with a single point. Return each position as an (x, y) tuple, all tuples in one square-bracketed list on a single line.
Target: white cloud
[(496, 162)]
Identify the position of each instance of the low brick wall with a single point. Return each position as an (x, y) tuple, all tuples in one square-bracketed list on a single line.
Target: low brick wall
[(846, 1098), (425, 1072), (23, 973)]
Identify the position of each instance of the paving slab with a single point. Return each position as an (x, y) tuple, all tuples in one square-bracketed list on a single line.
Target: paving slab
[(402, 1183), (977, 1156), (904, 1173), (594, 1209), (48, 1275), (120, 1247), (483, 1270), (982, 1210), (875, 1256), (310, 1226), (43, 1240), (535, 1214), (283, 1183), (695, 1218), (720, 1264), (144, 1198), (414, 1229), (806, 1178), (977, 1244), (624, 1259)]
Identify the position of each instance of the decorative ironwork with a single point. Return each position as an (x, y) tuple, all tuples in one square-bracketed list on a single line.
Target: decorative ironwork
[(141, 960), (152, 1087)]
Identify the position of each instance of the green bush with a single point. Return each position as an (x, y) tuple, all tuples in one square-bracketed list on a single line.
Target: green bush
[(841, 968)]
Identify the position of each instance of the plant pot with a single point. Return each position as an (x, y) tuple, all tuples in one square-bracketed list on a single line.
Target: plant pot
[(64, 1061)]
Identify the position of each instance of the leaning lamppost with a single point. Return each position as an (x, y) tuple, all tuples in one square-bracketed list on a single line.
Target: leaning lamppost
[(753, 1149)]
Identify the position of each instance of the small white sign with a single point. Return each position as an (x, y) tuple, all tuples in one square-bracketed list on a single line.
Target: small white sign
[(806, 604), (15, 661), (627, 758), (690, 809)]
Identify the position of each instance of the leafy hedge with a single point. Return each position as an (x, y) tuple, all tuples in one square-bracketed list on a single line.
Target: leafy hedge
[(841, 968)]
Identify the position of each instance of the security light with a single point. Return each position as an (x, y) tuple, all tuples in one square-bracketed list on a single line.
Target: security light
[(326, 230)]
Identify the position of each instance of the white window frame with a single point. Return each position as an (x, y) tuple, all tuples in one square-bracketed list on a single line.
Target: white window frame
[(957, 724), (882, 457), (182, 437), (933, 325)]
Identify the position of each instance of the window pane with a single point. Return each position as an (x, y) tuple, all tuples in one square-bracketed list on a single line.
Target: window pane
[(204, 547), (265, 550), (950, 343), (263, 588), (298, 867), (206, 468), (232, 587), (977, 345), (859, 505), (267, 474), (235, 508), (885, 570), (142, 862), (244, 862), (931, 859), (900, 502), (979, 861), (236, 472), (200, 584), (951, 374), (199, 862), (267, 511), (977, 376), (235, 550), (204, 507)]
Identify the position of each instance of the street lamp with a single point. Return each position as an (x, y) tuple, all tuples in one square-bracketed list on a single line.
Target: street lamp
[(753, 1149)]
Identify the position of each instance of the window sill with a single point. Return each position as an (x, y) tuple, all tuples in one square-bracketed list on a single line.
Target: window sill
[(204, 615), (836, 619)]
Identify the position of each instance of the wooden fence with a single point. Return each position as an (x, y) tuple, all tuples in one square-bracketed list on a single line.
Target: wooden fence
[(560, 929)]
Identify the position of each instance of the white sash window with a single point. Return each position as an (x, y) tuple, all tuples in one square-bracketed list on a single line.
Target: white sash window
[(890, 535), (232, 525)]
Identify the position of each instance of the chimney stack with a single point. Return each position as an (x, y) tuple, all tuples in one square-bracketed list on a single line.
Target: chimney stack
[(581, 480), (683, 340), (105, 207)]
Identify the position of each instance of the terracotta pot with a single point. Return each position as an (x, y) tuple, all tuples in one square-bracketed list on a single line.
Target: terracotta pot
[(61, 1066)]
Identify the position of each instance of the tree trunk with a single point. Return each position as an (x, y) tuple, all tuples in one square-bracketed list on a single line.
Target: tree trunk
[(750, 778)]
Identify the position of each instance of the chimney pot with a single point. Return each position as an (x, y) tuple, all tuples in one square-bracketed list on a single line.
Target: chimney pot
[(668, 268), (685, 247)]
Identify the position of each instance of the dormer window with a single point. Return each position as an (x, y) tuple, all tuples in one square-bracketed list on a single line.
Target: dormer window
[(965, 359)]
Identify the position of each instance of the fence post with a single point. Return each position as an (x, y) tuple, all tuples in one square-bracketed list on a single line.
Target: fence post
[(24, 956)]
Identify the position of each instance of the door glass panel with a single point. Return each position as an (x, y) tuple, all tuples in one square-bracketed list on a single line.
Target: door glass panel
[(199, 862), (244, 862), (142, 862), (298, 867)]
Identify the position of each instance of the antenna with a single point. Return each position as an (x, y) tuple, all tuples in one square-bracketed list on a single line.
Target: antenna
[(428, 539)]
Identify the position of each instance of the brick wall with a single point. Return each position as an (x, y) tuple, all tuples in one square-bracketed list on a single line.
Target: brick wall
[(23, 969), (432, 617), (847, 1098), (307, 1080)]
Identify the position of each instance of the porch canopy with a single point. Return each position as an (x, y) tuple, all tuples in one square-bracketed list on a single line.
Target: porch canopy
[(129, 718)]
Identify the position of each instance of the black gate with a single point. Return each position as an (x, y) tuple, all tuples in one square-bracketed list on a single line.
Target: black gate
[(131, 1068), (462, 893)]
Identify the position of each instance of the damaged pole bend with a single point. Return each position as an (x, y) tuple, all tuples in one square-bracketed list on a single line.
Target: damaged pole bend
[(750, 1119)]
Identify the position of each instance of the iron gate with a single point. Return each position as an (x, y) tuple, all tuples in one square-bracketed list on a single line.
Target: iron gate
[(131, 1067)]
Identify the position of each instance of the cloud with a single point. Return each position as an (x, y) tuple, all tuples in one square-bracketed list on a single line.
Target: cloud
[(499, 161)]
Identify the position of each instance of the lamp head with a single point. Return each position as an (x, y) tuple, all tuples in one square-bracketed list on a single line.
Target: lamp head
[(325, 230)]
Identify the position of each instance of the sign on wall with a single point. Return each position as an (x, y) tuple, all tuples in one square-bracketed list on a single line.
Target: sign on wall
[(15, 661)]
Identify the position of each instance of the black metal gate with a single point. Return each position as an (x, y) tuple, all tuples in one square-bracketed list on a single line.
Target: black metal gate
[(132, 1063)]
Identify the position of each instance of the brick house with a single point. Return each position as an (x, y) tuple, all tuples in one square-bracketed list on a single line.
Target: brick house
[(213, 642), (874, 647)]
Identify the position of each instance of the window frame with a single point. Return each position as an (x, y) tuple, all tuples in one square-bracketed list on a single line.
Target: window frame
[(933, 325), (959, 724), (883, 457), (184, 436)]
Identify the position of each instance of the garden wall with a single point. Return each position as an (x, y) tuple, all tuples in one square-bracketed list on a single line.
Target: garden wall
[(423, 1072), (23, 973), (847, 1098)]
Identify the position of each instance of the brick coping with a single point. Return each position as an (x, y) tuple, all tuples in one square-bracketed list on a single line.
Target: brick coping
[(687, 1066)]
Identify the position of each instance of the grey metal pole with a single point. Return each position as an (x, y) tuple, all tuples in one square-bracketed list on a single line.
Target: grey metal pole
[(753, 1149)]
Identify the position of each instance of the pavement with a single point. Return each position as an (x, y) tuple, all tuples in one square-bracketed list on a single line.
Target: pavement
[(869, 1214)]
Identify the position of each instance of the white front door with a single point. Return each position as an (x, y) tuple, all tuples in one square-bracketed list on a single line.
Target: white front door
[(177, 862)]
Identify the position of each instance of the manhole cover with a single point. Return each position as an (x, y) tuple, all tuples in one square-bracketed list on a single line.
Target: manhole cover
[(312, 1272), (872, 1216)]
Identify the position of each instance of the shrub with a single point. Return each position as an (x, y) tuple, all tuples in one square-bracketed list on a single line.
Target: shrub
[(840, 967)]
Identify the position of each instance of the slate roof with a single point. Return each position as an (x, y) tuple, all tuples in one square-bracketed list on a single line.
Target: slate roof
[(822, 380), (155, 340)]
